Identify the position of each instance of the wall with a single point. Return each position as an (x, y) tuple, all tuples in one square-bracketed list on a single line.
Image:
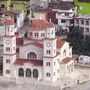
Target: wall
[(31, 48)]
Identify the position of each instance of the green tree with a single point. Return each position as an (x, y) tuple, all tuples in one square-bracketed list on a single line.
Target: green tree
[(75, 37)]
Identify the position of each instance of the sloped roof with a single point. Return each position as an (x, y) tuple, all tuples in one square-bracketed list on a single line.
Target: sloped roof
[(60, 43), (36, 43), (19, 41), (67, 60), (8, 22), (34, 62), (39, 24)]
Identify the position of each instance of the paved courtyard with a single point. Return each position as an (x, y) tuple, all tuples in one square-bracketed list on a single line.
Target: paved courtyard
[(83, 86), (9, 85), (12, 86)]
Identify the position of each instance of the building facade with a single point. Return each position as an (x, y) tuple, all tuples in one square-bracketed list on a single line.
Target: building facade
[(84, 23), (39, 57)]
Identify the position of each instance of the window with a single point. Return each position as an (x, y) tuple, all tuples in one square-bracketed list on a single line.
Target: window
[(64, 53), (58, 13), (21, 72), (7, 49), (52, 32), (58, 70), (87, 22), (7, 60), (31, 55), (36, 34), (82, 29), (82, 21), (54, 50), (54, 73), (7, 71), (28, 72), (56, 21), (48, 74), (87, 29), (35, 73), (42, 34), (30, 33), (32, 15), (14, 48), (62, 21), (48, 64), (48, 51), (54, 63), (66, 14), (77, 21), (2, 6)]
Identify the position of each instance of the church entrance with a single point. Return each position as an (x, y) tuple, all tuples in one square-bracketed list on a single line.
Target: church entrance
[(21, 72), (28, 72), (35, 73)]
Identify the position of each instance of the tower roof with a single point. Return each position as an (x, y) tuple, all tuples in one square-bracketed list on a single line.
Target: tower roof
[(40, 25)]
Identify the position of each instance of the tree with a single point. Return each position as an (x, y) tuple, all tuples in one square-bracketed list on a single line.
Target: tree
[(75, 37)]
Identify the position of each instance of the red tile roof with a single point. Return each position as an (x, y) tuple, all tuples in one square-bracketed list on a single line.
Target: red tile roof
[(60, 43), (67, 60), (19, 41), (8, 13), (31, 61), (39, 25), (36, 43), (8, 22)]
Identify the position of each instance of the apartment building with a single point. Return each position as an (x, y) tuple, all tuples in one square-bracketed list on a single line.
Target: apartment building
[(84, 23), (65, 11)]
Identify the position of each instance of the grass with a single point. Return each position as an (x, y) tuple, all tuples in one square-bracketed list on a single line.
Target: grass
[(83, 7), (18, 6)]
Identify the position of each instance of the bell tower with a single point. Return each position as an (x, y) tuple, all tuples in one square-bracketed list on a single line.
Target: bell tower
[(49, 54), (50, 43), (9, 48)]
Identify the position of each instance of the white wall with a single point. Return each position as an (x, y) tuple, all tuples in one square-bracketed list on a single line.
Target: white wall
[(68, 51), (31, 67), (8, 66), (31, 48), (53, 68), (83, 25)]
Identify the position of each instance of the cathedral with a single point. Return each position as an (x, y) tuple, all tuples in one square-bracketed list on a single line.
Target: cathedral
[(40, 55)]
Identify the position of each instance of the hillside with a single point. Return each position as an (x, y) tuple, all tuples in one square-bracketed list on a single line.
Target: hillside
[(83, 7)]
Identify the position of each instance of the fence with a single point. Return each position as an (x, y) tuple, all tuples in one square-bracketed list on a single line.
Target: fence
[(70, 82)]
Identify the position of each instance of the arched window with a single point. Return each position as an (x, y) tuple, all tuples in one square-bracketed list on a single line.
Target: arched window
[(28, 72), (35, 73), (32, 55), (64, 53), (21, 72)]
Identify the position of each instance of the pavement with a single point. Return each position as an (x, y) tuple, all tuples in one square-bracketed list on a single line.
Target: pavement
[(13, 86), (83, 86)]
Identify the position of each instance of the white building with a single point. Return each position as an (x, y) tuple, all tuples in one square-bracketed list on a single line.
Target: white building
[(40, 3), (17, 15), (84, 59), (65, 11), (84, 23), (40, 56)]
